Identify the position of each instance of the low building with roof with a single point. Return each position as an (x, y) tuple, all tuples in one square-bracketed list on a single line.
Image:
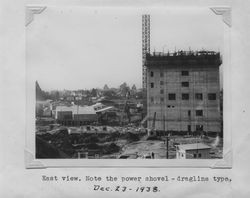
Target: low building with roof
[(80, 115), (193, 151), (44, 108), (84, 115), (75, 115)]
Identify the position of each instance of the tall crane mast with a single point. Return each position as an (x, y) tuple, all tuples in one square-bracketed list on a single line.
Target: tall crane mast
[(145, 47)]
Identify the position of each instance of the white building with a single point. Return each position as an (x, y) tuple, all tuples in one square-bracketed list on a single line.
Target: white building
[(79, 115), (193, 151)]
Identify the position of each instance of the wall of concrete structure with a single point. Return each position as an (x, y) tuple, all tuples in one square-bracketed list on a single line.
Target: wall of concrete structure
[(208, 126), (204, 79), (64, 115)]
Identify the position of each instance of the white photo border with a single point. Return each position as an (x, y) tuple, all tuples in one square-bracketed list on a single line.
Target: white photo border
[(226, 162)]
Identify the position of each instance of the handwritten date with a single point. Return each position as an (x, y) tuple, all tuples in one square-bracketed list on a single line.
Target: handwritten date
[(126, 189)]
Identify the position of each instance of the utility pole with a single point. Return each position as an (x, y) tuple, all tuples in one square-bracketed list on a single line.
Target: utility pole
[(77, 120), (167, 137), (167, 142), (164, 124)]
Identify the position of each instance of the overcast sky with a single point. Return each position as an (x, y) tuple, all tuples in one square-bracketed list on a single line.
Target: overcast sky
[(83, 48)]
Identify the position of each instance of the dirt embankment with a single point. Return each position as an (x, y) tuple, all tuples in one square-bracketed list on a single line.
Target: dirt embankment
[(70, 144)]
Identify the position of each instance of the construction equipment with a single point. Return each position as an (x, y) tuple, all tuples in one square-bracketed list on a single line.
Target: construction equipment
[(126, 109), (152, 131), (145, 46)]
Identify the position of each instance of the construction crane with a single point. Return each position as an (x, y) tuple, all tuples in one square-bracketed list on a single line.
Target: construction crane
[(145, 51), (145, 47)]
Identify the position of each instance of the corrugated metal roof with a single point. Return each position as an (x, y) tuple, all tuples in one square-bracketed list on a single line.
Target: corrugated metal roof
[(77, 109), (84, 110), (105, 109)]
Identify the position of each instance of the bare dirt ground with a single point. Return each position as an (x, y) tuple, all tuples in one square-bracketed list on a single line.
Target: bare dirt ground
[(145, 148), (132, 144), (159, 148)]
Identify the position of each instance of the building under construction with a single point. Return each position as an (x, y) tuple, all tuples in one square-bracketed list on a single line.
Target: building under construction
[(183, 91)]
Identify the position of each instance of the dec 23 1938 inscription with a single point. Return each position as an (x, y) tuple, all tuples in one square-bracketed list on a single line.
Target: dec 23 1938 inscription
[(134, 183)]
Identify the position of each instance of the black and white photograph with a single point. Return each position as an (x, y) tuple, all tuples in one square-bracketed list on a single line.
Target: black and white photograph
[(126, 83), (123, 98)]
